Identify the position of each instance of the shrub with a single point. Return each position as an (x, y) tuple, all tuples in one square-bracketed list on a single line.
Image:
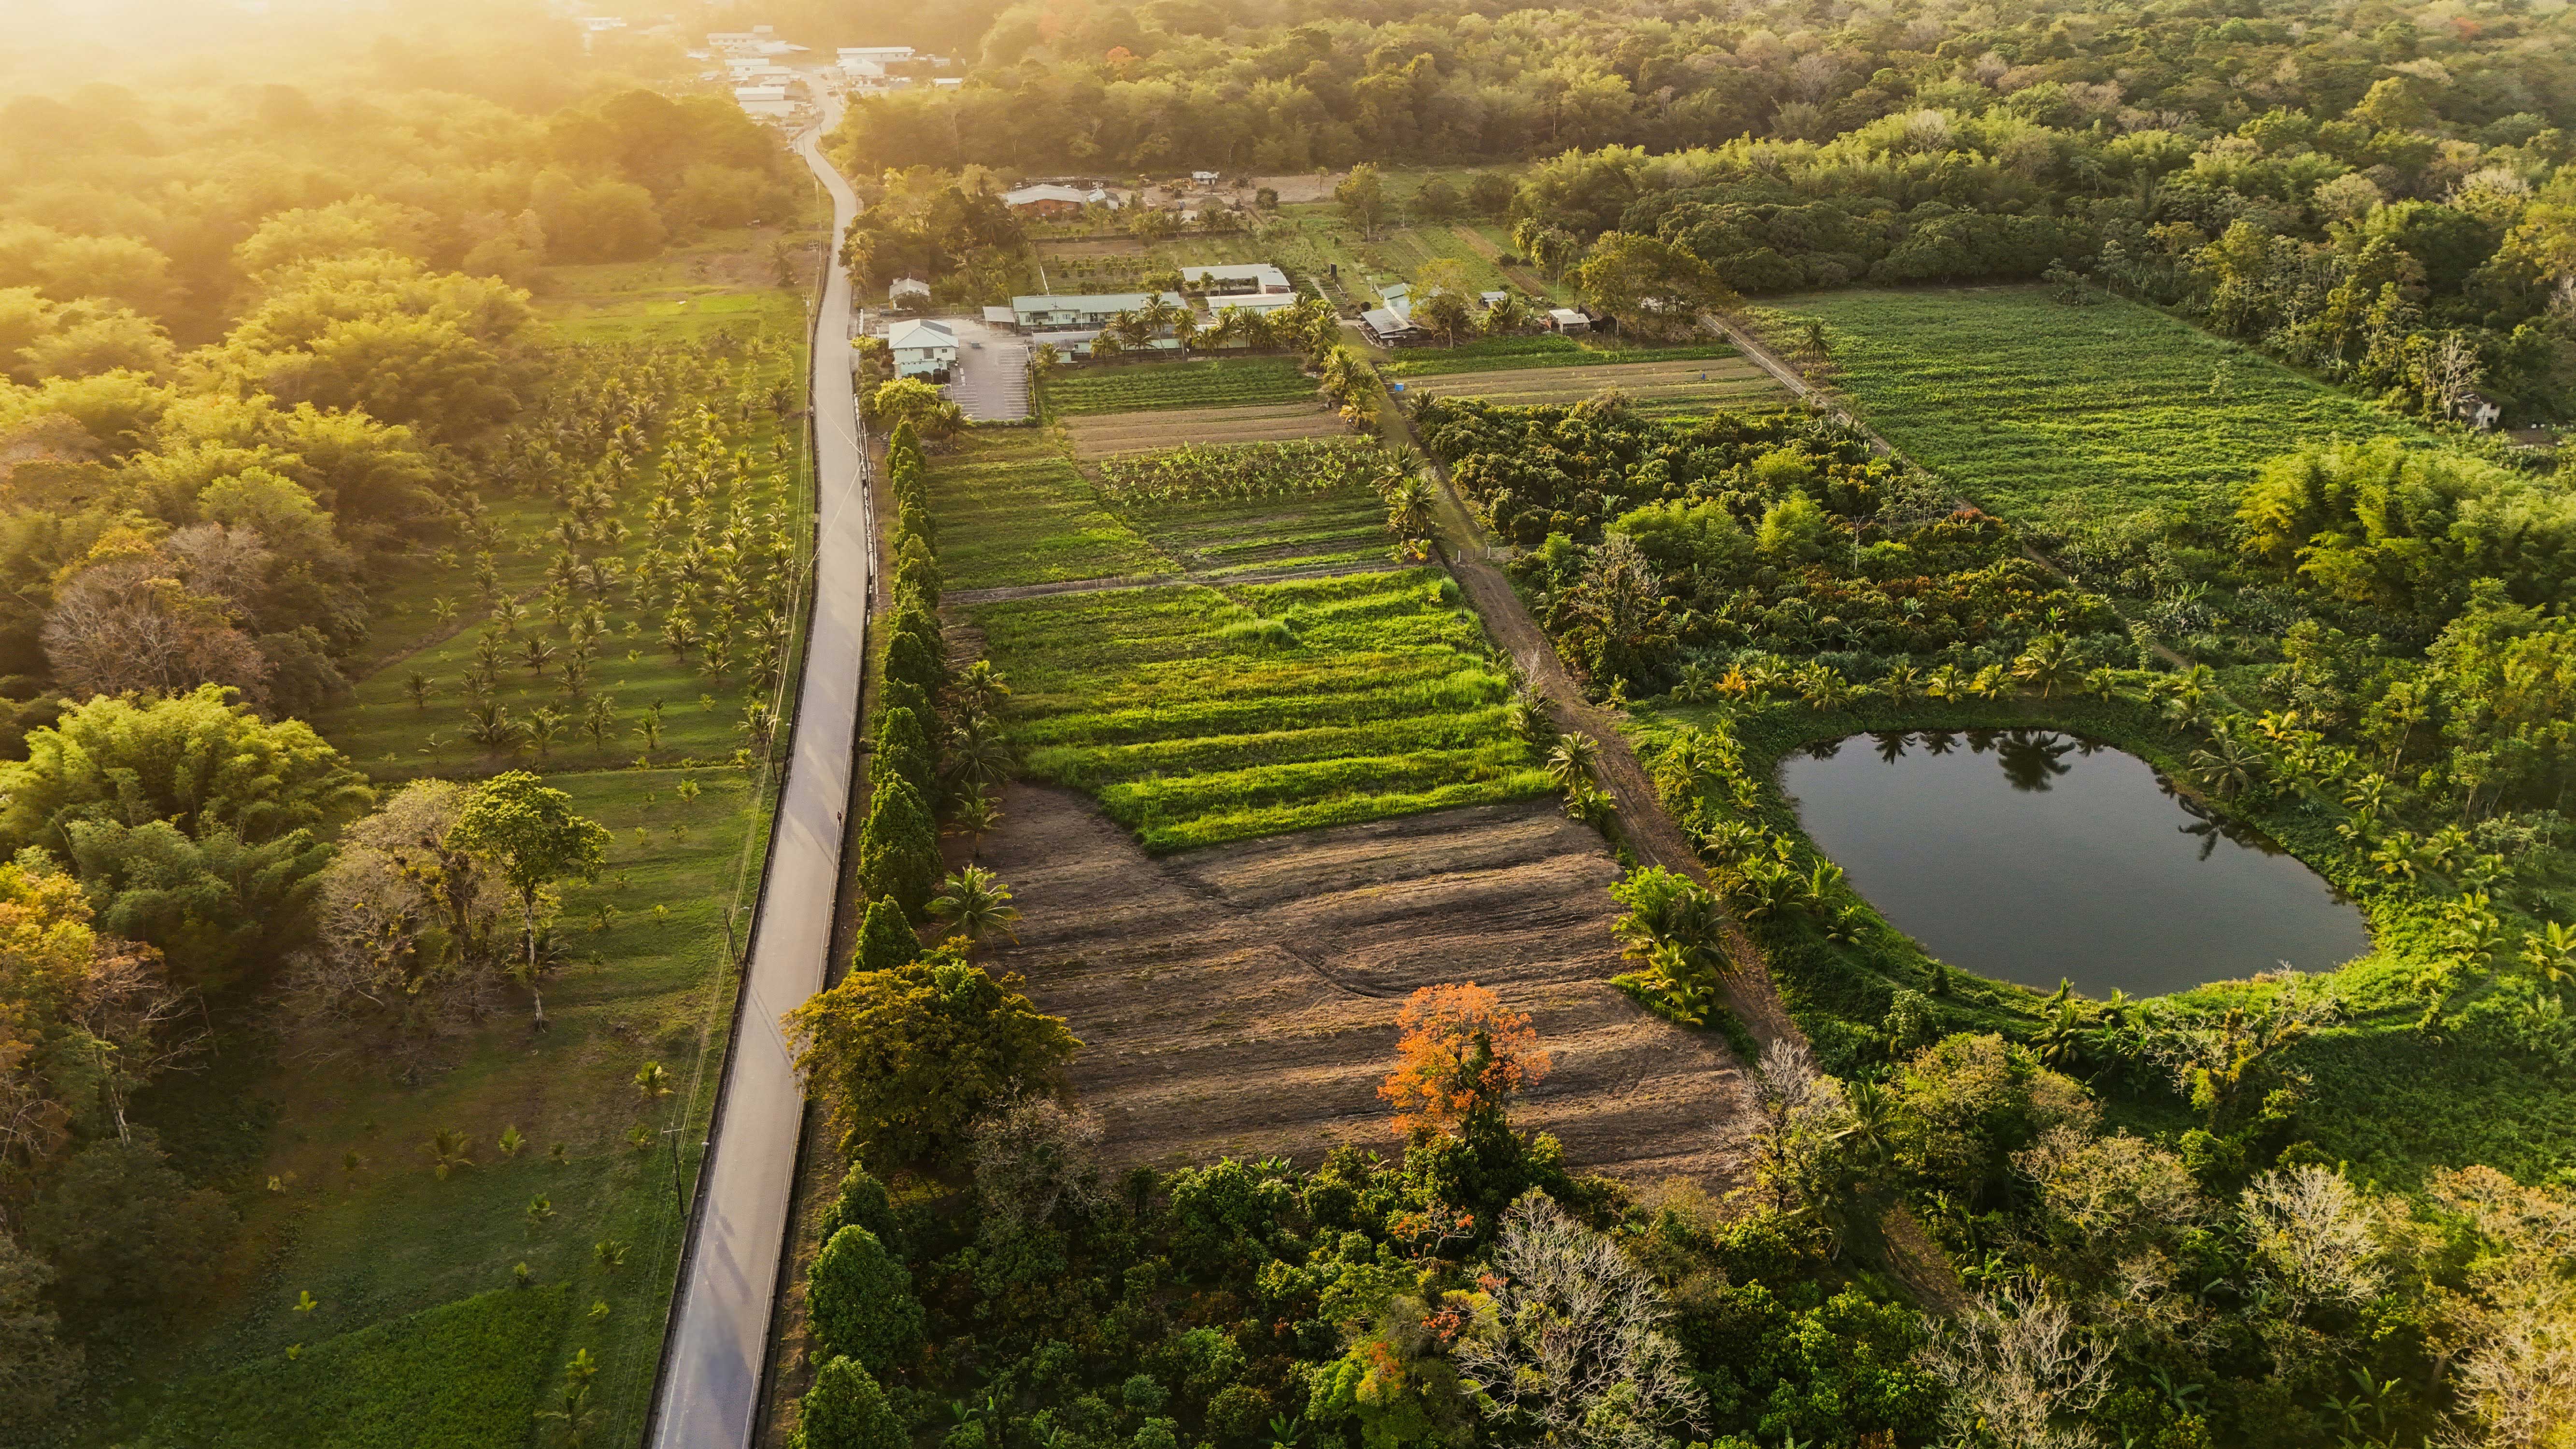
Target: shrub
[(863, 1203), (860, 1304), (846, 1410), (899, 848), (886, 939), (903, 752)]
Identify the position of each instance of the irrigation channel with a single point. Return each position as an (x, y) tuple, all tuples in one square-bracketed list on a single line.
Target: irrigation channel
[(2032, 856), (709, 1395)]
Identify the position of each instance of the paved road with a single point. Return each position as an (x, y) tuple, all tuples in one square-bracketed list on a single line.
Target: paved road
[(710, 1389)]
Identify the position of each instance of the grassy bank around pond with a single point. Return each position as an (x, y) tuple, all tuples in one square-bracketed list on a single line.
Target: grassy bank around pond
[(2381, 1093)]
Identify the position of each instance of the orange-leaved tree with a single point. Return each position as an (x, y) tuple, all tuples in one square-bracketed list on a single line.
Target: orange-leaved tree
[(1463, 1053)]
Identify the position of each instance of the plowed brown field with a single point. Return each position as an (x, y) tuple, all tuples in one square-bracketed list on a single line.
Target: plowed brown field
[(1242, 999)]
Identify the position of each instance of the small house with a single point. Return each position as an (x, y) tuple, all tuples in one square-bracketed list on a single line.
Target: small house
[(908, 293), (764, 101), (1000, 317), (1204, 178), (922, 349), (1490, 300), (1567, 321), (2479, 410)]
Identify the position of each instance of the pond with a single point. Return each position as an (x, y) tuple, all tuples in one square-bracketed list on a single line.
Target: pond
[(2031, 855)]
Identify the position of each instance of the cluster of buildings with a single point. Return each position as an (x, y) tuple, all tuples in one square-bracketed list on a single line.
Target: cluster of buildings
[(1070, 322), (1390, 323), (768, 82)]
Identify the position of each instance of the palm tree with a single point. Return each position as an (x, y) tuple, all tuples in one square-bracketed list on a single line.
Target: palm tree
[(2046, 664), (978, 755), (1408, 511), (2227, 764), (1570, 762), (976, 815), (1901, 683), (975, 903), (449, 1151)]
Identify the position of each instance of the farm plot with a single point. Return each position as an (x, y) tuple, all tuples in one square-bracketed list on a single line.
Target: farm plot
[(1204, 383), (1673, 385), (1241, 1000), (1503, 354), (1199, 715), (1010, 508), (1310, 504), (2038, 410), (1332, 529), (1146, 432)]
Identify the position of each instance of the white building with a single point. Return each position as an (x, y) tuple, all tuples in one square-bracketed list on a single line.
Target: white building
[(735, 42), (881, 55), (922, 349), (908, 292), (948, 82), (1567, 320), (1204, 178), (1253, 286), (1050, 199), (859, 68), (764, 101)]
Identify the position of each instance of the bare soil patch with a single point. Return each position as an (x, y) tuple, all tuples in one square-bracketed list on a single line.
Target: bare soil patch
[(1242, 999), (1101, 435)]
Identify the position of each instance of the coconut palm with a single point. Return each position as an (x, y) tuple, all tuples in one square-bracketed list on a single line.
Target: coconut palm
[(975, 904), (2046, 664), (2227, 763), (975, 816), (1408, 510)]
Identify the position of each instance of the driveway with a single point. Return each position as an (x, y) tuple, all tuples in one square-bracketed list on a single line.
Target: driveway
[(992, 381)]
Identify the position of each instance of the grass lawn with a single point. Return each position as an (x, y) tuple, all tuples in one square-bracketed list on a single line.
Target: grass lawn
[(1202, 383), (1200, 715), (426, 1330), (1010, 508), (2037, 410)]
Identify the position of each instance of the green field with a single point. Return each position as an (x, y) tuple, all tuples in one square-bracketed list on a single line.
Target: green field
[(1504, 354), (1199, 715), (1203, 383), (1010, 508), (1338, 528), (2038, 410), (409, 1342)]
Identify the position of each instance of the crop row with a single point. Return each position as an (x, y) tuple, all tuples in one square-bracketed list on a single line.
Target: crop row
[(1013, 513), (1511, 354), (1247, 470), (1205, 382), (1198, 715)]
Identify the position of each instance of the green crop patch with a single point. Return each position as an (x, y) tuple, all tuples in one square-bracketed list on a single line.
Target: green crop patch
[(1150, 386), (1504, 354), (1199, 715), (2035, 409), (1339, 528), (1014, 510)]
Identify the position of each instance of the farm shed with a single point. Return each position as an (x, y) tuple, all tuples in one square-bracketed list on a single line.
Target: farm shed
[(908, 292), (1567, 320)]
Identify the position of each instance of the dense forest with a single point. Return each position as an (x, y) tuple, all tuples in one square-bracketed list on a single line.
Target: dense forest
[(2368, 191)]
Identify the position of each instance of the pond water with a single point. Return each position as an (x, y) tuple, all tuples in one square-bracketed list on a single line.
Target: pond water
[(2031, 855)]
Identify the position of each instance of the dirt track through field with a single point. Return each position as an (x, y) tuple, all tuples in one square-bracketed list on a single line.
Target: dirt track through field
[(1242, 999), (1100, 435)]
